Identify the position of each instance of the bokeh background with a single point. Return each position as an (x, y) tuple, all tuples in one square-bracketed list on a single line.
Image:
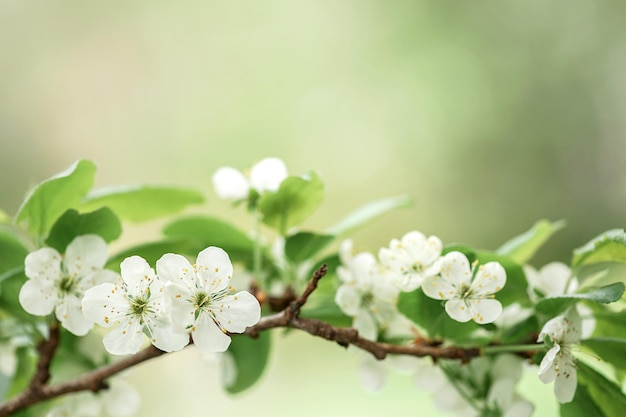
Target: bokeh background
[(490, 114)]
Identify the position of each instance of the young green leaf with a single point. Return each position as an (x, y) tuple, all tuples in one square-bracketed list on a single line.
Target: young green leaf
[(296, 199), (603, 295), (369, 212), (610, 349), (12, 252), (605, 393), (250, 358), (102, 222), (210, 231), (608, 247), (142, 202), (304, 245), (52, 197), (522, 248)]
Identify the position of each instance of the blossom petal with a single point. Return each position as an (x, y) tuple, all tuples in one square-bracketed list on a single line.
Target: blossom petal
[(440, 288), (547, 373), (458, 310), (177, 270), (485, 311), (565, 383), (456, 269), (124, 339), (43, 264), (373, 374), (214, 269), (208, 337), (38, 297), (236, 312), (137, 274), (365, 324), (490, 278), (85, 254), (121, 399), (348, 298), (105, 304), (69, 312), (230, 183), (95, 278), (166, 339), (268, 174)]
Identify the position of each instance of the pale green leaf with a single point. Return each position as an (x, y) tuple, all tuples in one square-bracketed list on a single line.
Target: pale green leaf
[(609, 349), (304, 245), (608, 247), (52, 197), (369, 212), (142, 202), (522, 248), (603, 295), (250, 359), (102, 222)]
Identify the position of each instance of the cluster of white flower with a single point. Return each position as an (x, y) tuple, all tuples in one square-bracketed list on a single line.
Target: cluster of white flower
[(370, 288), (178, 299), (265, 175)]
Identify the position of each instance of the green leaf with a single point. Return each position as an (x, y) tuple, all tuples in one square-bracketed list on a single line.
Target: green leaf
[(605, 393), (296, 199), (608, 323), (608, 247), (142, 202), (522, 248), (26, 366), (431, 315), (204, 231), (523, 332), (102, 222), (250, 357), (12, 252), (603, 295), (52, 197), (610, 349), (304, 245), (369, 212), (515, 289), (10, 287), (469, 252), (581, 406), (152, 251)]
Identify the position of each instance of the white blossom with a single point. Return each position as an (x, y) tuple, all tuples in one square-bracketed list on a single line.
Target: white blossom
[(558, 364), (134, 305), (265, 175), (468, 292), (411, 259), (366, 294), (203, 301), (57, 282)]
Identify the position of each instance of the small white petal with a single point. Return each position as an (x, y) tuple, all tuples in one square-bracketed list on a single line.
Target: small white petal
[(365, 324), (348, 298), (458, 310), (485, 311), (373, 374), (490, 278), (69, 312), (230, 183), (85, 254), (565, 384), (38, 297), (177, 270), (166, 339), (236, 312), (456, 269), (43, 264), (268, 174), (137, 274), (208, 337), (121, 399), (440, 288), (214, 269), (547, 373), (105, 304), (125, 339)]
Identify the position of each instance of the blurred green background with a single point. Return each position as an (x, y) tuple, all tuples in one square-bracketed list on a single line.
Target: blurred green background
[(490, 114)]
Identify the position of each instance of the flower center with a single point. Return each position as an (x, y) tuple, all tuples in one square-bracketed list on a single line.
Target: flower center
[(140, 306), (67, 284), (367, 299)]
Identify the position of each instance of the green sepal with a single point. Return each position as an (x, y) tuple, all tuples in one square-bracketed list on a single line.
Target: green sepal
[(522, 247), (294, 201), (204, 231), (603, 295), (608, 247), (305, 245), (102, 222), (142, 202), (52, 197), (250, 357), (369, 212)]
